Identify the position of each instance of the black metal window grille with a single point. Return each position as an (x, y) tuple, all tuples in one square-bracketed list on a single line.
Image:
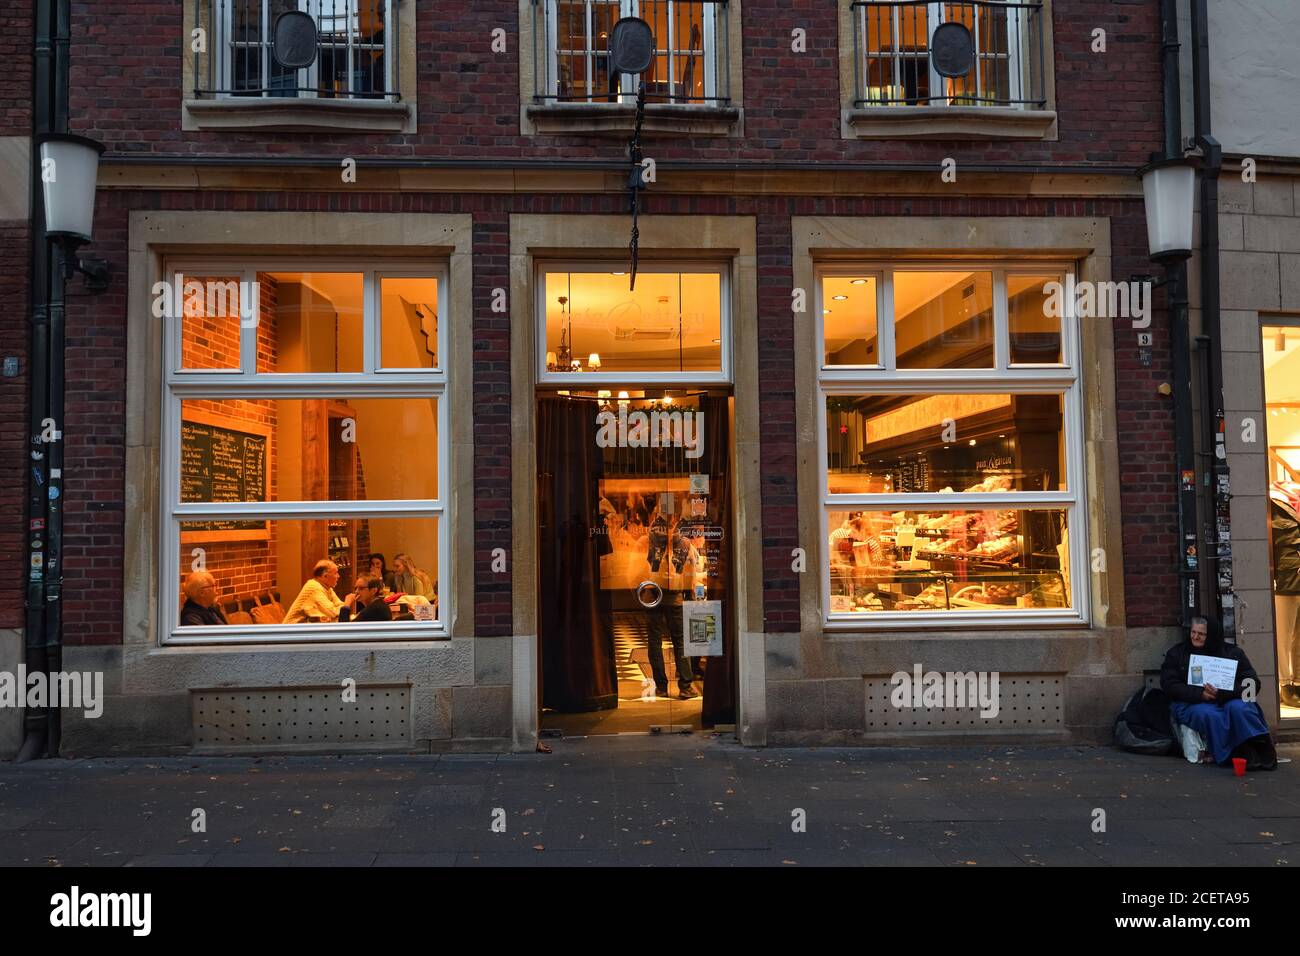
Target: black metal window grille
[(356, 50), (571, 41), (892, 64)]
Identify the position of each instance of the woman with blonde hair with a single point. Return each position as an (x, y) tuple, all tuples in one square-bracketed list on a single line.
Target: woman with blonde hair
[(408, 579)]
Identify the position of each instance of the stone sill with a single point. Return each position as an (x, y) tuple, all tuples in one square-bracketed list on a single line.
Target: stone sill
[(303, 114), (950, 122), (619, 119)]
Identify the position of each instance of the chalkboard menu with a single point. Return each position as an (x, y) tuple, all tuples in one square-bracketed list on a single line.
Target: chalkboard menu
[(912, 474), (222, 464)]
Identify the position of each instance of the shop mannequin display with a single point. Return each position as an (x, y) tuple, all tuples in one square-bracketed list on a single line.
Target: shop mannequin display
[(665, 620), (1284, 531)]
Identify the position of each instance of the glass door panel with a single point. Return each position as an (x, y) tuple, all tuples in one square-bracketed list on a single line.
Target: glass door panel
[(634, 561)]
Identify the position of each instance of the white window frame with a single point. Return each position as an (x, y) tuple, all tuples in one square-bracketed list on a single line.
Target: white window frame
[(246, 383), (935, 15), (1004, 378), (719, 377), (307, 76), (627, 84)]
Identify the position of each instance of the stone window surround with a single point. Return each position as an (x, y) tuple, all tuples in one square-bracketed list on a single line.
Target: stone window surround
[(818, 240), (304, 114), (732, 238), (616, 119), (140, 666), (943, 122)]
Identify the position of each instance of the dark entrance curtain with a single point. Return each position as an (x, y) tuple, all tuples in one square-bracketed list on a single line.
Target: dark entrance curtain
[(578, 672), (720, 672)]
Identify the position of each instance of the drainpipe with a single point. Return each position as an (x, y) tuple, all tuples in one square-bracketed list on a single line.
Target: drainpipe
[(1218, 525), (36, 720), (1189, 571)]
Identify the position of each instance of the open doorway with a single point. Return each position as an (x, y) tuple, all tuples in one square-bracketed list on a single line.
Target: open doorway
[(637, 631)]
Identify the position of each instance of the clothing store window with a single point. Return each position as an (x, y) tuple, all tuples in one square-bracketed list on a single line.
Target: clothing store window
[(1280, 350), (305, 443), (951, 444)]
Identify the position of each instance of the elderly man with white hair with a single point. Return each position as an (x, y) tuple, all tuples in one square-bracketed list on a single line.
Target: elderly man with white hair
[(317, 600), (200, 609)]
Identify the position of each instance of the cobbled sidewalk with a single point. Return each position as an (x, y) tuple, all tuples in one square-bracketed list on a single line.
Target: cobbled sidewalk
[(636, 801)]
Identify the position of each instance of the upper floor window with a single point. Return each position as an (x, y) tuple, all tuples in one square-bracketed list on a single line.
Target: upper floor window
[(904, 51), (354, 55), (571, 45)]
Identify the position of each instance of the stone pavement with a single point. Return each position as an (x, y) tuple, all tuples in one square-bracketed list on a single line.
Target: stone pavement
[(652, 800)]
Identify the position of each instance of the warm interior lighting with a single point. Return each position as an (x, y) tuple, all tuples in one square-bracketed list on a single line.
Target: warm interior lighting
[(593, 361)]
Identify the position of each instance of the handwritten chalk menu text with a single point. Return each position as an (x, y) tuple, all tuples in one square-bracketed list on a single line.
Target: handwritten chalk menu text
[(222, 464)]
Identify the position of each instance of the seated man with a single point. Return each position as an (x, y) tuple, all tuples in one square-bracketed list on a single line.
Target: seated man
[(317, 600), (370, 605), (200, 608)]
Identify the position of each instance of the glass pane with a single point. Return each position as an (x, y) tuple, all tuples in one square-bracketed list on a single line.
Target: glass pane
[(943, 319), (408, 334), (953, 560), (887, 444), (1034, 316), (1280, 354), (296, 449), (261, 572), (209, 308), (849, 320), (315, 321), (671, 323)]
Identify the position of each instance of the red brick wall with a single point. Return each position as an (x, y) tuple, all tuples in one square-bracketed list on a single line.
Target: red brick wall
[(127, 61), (15, 317), (1145, 438), (243, 569)]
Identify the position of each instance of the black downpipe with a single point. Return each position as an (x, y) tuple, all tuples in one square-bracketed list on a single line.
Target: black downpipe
[(1209, 342), (36, 721), (61, 258), (1190, 585)]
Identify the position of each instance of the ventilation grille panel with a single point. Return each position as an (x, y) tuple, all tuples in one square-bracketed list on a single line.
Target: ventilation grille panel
[(307, 717), (1026, 702)]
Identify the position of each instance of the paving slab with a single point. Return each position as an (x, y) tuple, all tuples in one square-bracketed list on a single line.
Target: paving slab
[(652, 801)]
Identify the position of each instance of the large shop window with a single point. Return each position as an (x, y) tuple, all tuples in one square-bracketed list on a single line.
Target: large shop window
[(951, 446), (304, 451)]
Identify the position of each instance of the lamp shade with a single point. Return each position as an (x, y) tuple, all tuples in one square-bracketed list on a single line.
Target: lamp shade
[(593, 361), (69, 172), (1169, 187)]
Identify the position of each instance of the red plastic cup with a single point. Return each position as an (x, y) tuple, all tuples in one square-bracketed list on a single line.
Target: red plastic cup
[(1239, 766)]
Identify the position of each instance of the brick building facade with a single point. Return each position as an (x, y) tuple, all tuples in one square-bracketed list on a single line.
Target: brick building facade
[(786, 185)]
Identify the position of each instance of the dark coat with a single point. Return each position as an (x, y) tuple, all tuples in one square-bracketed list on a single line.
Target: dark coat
[(196, 615), (1286, 549), (1173, 673), (376, 610)]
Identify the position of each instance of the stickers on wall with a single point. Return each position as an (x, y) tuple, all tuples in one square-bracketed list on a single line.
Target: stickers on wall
[(699, 484)]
